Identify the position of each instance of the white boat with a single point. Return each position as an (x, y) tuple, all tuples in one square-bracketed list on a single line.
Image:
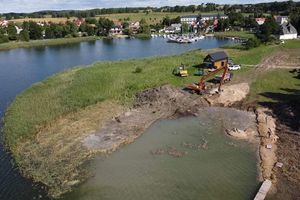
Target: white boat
[(184, 38)]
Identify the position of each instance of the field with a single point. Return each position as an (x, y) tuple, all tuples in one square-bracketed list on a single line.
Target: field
[(41, 20), (235, 34), (279, 81), (151, 18), (45, 42)]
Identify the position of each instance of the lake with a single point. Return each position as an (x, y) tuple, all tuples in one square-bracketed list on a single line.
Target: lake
[(20, 68)]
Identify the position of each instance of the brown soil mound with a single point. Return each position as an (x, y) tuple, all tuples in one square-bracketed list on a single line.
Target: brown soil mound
[(230, 94)]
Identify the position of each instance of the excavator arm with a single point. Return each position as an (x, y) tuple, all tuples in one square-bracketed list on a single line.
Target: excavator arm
[(199, 87)]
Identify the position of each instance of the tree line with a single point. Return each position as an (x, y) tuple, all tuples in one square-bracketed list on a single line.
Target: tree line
[(35, 31)]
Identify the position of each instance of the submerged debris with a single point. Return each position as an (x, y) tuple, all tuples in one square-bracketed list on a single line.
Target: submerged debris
[(158, 152), (232, 144), (171, 151), (200, 146)]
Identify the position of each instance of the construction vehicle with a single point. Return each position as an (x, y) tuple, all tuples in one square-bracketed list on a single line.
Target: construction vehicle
[(201, 86), (200, 72), (181, 71)]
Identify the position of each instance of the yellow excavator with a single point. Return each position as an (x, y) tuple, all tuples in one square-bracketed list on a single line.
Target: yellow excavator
[(181, 71)]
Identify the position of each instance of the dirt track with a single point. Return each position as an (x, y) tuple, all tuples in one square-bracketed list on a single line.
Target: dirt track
[(289, 59)]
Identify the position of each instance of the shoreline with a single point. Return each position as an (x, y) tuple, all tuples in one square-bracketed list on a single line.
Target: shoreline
[(45, 42)]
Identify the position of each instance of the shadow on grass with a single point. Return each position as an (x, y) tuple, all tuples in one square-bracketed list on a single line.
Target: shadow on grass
[(286, 106)]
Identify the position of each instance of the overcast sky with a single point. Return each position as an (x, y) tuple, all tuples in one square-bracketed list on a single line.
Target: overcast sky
[(37, 5)]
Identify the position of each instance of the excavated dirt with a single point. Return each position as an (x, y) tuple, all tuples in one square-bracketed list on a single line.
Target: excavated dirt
[(150, 105), (153, 104), (267, 131), (230, 95)]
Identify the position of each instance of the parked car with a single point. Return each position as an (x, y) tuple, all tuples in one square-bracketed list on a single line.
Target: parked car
[(234, 67), (227, 77)]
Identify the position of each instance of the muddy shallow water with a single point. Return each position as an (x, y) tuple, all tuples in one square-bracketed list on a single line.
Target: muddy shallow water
[(186, 158)]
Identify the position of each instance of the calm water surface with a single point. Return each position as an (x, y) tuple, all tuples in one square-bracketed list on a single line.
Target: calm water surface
[(20, 68), (226, 169)]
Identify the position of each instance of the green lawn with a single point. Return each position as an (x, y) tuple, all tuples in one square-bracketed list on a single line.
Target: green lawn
[(46, 42), (237, 34), (278, 81)]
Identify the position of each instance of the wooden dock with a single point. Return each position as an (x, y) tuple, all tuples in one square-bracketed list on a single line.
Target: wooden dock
[(264, 189)]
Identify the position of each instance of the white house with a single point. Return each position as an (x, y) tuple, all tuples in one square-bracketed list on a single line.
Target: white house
[(281, 19), (192, 19), (116, 30), (288, 32)]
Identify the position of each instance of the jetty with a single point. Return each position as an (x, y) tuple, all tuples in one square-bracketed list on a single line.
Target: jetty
[(264, 189)]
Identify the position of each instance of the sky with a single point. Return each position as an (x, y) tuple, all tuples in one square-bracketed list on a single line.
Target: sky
[(38, 5)]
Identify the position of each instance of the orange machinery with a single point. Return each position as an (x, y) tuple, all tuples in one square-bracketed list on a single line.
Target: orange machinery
[(200, 87)]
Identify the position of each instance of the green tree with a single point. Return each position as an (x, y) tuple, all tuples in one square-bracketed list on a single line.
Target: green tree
[(50, 32), (252, 43), (24, 35), (12, 31), (166, 21), (104, 26), (144, 27), (3, 38), (185, 28), (268, 30), (83, 27), (90, 30), (35, 31), (125, 25), (91, 20)]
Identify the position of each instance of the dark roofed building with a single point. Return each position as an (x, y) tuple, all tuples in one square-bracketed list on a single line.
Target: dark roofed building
[(216, 60)]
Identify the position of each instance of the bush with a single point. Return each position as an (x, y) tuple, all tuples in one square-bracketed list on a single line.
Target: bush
[(138, 70), (252, 43), (24, 35), (69, 36), (3, 38)]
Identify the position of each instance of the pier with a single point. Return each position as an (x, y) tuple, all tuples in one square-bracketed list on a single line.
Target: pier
[(264, 189)]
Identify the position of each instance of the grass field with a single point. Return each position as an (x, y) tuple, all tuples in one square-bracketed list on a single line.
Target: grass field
[(236, 34), (45, 42), (41, 20), (151, 18), (279, 81)]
